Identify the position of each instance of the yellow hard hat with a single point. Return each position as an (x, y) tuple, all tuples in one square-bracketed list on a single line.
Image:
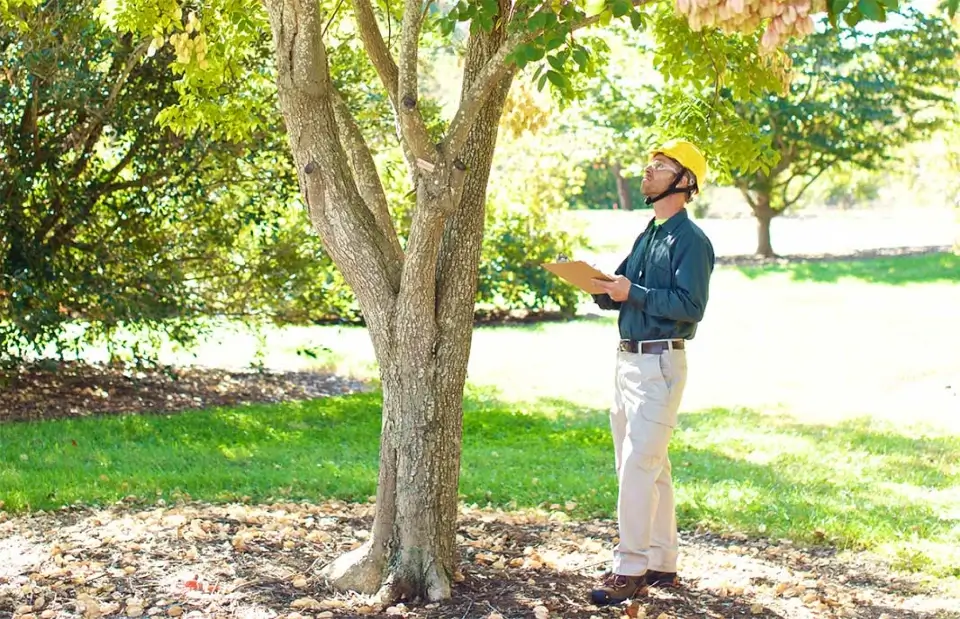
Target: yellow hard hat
[(687, 155)]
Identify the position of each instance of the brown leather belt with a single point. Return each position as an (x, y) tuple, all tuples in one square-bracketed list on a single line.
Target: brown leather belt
[(649, 348)]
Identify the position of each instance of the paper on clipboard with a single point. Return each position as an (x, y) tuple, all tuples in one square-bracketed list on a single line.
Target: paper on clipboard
[(578, 273)]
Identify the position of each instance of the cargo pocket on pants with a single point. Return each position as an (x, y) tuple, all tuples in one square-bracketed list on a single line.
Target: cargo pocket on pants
[(656, 407)]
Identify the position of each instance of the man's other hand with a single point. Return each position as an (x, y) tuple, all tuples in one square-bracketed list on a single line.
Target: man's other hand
[(618, 289)]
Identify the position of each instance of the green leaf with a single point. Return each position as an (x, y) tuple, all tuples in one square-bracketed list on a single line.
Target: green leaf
[(581, 58), (553, 42), (872, 10), (891, 5), (541, 81), (637, 20), (852, 17), (594, 7), (839, 6), (537, 22), (555, 62), (518, 57), (621, 7), (558, 79)]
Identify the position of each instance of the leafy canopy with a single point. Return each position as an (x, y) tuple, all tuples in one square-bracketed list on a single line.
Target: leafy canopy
[(855, 100), (549, 43)]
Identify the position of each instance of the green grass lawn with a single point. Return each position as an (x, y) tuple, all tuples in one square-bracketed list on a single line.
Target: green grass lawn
[(900, 270), (859, 484), (820, 409)]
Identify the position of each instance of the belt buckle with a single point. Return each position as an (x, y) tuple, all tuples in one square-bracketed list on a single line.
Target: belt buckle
[(657, 347)]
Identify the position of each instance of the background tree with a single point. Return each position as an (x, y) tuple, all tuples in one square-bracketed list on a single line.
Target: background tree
[(107, 218), (855, 99), (127, 234), (617, 114), (417, 296)]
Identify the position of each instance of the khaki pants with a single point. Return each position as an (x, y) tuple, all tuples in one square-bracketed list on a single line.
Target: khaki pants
[(646, 403)]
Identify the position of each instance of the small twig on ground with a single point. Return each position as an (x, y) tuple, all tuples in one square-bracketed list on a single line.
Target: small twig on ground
[(589, 565), (469, 606)]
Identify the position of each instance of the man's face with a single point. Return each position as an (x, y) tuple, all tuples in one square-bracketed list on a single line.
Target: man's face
[(658, 175)]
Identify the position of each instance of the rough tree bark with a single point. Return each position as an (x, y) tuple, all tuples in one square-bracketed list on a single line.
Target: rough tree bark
[(418, 303)]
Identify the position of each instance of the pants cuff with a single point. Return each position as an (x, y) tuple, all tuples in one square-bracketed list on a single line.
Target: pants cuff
[(629, 566)]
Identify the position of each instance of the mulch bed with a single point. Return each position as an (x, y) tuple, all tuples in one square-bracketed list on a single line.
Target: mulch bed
[(261, 561), (77, 390)]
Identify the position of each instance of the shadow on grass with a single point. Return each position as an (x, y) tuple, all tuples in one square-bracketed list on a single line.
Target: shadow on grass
[(924, 461), (847, 484), (543, 322), (895, 270)]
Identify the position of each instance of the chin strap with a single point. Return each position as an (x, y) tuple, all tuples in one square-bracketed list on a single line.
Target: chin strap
[(672, 189)]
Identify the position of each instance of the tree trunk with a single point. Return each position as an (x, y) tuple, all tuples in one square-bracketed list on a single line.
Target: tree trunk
[(420, 316), (412, 551), (956, 227), (623, 188), (764, 215)]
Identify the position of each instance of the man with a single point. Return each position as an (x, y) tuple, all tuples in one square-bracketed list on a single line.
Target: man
[(660, 290)]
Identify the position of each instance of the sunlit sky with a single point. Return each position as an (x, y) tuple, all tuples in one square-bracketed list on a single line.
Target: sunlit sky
[(893, 21)]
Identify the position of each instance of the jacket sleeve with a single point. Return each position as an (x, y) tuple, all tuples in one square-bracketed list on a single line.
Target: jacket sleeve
[(603, 300), (693, 264)]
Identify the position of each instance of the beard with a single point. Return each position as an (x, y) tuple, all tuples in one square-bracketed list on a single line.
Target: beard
[(650, 187)]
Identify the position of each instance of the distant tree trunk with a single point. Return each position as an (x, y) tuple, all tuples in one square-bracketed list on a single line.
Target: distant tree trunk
[(764, 215), (623, 188), (956, 227)]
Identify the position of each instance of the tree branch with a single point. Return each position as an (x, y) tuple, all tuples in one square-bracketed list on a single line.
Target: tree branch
[(350, 233), (365, 172), (95, 191), (62, 234), (83, 133), (376, 48), (746, 194), (412, 127), (415, 139), (493, 71), (787, 203), (476, 96)]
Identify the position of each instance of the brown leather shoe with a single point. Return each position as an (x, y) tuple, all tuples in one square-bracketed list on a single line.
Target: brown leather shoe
[(662, 579), (617, 588)]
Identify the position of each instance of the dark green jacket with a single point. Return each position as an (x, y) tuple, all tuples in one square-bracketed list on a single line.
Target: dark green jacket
[(670, 266)]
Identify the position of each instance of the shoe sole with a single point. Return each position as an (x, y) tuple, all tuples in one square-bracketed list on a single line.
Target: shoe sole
[(640, 592)]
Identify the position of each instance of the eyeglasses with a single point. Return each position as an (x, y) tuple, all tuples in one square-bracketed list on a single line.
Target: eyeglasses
[(656, 165)]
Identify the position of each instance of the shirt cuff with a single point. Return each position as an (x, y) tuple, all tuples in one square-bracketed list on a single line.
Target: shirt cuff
[(638, 295)]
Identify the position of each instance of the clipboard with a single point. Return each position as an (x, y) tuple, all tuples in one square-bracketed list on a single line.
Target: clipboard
[(578, 273)]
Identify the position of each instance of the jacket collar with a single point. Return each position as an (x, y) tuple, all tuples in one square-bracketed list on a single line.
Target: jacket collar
[(674, 222)]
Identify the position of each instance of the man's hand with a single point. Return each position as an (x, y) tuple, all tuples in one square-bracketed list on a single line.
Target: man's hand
[(618, 289)]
